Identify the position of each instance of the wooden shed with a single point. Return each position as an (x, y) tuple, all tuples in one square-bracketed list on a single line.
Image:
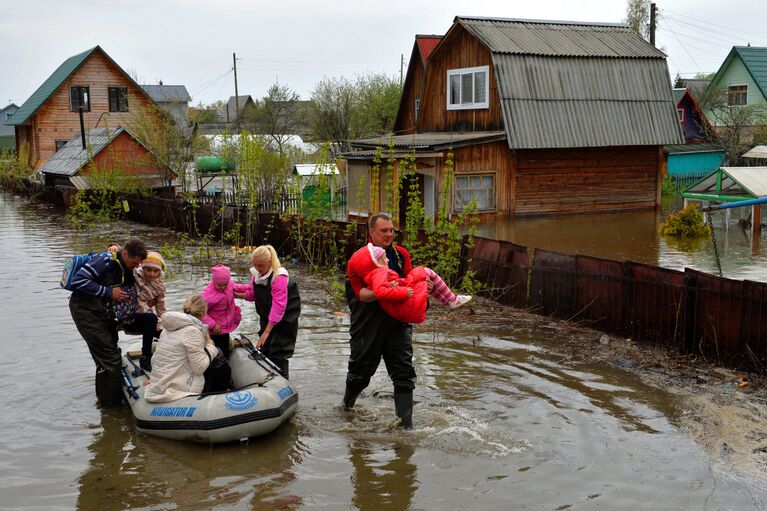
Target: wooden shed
[(583, 111)]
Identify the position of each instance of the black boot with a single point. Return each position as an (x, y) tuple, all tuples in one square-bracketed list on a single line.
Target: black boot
[(284, 365), (145, 363), (403, 407), (109, 390), (352, 392)]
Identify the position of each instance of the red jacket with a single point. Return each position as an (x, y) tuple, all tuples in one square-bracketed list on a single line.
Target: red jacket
[(357, 279), (394, 300)]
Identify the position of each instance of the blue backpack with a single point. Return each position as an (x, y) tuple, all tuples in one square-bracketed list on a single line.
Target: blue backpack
[(73, 265)]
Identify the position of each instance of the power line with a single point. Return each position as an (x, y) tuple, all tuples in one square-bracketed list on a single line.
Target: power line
[(683, 46), (722, 36), (737, 30), (210, 83)]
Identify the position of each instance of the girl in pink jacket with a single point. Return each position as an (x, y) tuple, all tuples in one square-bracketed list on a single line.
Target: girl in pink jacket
[(223, 315)]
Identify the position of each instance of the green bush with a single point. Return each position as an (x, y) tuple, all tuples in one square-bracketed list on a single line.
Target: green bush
[(687, 223)]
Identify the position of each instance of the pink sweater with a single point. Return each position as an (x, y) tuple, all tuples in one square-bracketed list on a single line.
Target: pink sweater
[(279, 293), (221, 308)]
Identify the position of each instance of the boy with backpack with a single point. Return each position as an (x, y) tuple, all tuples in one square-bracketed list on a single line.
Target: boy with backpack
[(98, 285)]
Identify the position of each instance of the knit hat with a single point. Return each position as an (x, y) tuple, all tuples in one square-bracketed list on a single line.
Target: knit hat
[(375, 252), (221, 274), (154, 260)]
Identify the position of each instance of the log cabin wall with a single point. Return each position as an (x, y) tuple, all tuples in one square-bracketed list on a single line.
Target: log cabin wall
[(125, 155), (458, 49), (552, 181), (54, 120)]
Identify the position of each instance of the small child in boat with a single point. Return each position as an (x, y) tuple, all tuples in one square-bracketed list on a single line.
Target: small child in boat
[(223, 315), (404, 299), (151, 304)]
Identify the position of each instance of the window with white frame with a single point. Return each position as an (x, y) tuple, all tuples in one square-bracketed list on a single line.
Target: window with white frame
[(680, 114), (468, 88), (479, 187)]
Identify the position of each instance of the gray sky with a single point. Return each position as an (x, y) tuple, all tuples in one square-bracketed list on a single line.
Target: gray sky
[(190, 42)]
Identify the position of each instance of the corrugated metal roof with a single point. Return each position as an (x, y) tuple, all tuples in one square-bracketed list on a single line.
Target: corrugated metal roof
[(678, 93), (426, 44), (430, 141), (167, 93), (735, 181), (48, 87), (692, 148), (558, 38), (564, 102), (72, 157), (311, 169), (759, 151)]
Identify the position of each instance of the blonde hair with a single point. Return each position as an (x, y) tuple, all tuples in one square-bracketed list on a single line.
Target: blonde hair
[(195, 306), (267, 252)]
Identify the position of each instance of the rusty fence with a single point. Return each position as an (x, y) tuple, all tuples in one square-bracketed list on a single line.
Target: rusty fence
[(687, 311)]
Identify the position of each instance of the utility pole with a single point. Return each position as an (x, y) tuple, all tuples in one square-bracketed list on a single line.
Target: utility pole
[(653, 13), (237, 95), (401, 66)]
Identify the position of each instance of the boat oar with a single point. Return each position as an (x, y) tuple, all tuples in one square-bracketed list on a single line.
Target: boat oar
[(128, 384), (257, 354)]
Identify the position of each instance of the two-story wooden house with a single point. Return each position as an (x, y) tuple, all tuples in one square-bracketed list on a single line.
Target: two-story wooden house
[(740, 82), (92, 80), (541, 117)]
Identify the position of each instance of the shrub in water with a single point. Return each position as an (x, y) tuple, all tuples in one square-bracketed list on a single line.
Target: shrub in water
[(687, 223)]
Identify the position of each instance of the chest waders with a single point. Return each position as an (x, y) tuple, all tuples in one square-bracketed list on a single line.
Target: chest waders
[(281, 343), (100, 334)]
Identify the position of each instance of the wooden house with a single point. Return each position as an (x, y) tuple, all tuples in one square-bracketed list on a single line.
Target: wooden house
[(410, 102), (695, 125), (174, 99), (741, 81), (108, 96), (105, 153), (7, 133), (541, 117)]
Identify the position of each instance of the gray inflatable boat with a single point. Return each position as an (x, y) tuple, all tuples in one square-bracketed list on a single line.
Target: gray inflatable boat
[(260, 401)]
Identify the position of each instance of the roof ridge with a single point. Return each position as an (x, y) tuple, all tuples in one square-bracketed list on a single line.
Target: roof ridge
[(544, 21)]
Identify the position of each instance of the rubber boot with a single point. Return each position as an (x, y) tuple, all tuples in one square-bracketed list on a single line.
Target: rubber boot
[(352, 392), (403, 407), (109, 389), (145, 363)]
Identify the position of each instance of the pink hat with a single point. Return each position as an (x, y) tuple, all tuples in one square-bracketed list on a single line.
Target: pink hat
[(375, 252), (221, 274)]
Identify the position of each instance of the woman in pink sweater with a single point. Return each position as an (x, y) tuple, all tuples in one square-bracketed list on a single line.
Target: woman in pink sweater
[(278, 306), (223, 315)]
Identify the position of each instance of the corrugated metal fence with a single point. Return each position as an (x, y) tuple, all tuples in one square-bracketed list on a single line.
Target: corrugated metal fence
[(687, 311)]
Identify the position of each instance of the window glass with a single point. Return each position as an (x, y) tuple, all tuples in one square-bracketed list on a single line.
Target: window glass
[(475, 187), (118, 99), (737, 95), (455, 89), (479, 87), (79, 96), (467, 88)]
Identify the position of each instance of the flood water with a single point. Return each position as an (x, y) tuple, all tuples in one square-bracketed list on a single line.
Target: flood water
[(502, 420)]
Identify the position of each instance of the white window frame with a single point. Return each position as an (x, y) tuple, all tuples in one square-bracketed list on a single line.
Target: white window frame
[(680, 115), (468, 105), (468, 176)]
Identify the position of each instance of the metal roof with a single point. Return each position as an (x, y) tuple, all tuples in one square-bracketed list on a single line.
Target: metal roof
[(428, 141), (736, 182), (678, 93), (753, 58), (68, 160), (426, 44), (48, 87), (564, 102), (692, 148), (558, 38), (312, 169), (167, 93), (759, 151)]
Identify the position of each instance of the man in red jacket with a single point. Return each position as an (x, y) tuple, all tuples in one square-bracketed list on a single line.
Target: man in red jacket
[(375, 334)]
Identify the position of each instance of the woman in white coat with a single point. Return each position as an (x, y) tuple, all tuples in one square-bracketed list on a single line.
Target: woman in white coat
[(181, 363)]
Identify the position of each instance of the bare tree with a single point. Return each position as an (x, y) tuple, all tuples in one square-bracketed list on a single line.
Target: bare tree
[(278, 115), (736, 127), (638, 17)]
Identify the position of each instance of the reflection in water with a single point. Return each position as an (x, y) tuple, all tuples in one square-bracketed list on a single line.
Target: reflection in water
[(130, 470), (383, 477)]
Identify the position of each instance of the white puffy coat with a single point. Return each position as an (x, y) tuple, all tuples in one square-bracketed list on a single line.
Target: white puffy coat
[(180, 360)]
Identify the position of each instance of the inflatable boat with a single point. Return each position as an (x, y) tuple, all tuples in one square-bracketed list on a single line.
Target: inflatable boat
[(261, 400)]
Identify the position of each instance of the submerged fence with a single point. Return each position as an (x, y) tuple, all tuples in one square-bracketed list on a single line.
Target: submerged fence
[(687, 311)]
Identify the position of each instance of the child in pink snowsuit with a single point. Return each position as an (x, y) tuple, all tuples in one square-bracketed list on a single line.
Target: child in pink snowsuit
[(223, 315), (404, 299)]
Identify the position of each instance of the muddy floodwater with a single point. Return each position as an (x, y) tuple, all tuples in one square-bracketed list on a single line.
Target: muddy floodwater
[(503, 420)]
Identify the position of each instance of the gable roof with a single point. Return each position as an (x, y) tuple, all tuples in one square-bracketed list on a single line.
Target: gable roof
[(755, 61), (426, 44), (55, 80), (730, 184), (167, 93), (678, 93), (573, 84), (233, 103)]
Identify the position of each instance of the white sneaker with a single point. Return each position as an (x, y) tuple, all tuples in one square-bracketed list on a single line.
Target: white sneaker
[(459, 300)]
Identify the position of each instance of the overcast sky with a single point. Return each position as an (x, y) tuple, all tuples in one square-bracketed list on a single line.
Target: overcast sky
[(190, 42)]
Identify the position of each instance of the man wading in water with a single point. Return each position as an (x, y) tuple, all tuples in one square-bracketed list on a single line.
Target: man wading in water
[(375, 334), (95, 286)]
